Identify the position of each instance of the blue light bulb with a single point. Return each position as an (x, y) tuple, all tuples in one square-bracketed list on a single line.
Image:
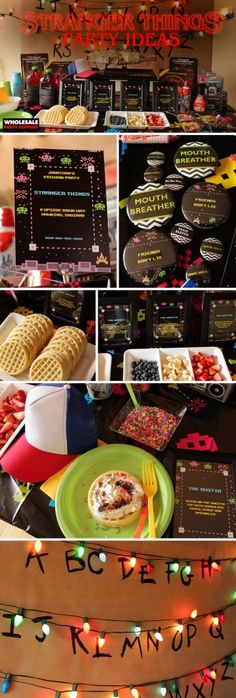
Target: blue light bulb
[(6, 683)]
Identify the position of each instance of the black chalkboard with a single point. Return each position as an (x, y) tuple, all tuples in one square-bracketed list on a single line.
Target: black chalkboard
[(60, 210)]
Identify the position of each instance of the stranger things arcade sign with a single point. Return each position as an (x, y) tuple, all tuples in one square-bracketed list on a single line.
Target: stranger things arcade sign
[(60, 210)]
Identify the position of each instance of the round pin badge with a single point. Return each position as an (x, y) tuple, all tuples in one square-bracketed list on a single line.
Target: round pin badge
[(150, 205), (149, 257), (199, 274), (182, 233), (156, 158), (153, 174), (206, 205), (212, 249), (175, 182), (196, 160)]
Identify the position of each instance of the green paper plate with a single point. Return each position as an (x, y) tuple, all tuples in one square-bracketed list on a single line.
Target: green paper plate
[(14, 115), (72, 510)]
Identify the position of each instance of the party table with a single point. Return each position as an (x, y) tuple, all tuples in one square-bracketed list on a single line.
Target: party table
[(208, 426)]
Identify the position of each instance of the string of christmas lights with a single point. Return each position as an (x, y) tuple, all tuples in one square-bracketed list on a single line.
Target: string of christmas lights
[(80, 548), (21, 614), (206, 672)]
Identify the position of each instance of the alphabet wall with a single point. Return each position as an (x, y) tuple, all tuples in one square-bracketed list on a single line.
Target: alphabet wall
[(105, 622)]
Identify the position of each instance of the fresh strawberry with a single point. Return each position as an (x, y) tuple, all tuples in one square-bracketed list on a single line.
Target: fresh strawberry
[(9, 434), (18, 404), (218, 377), (20, 395), (19, 416), (6, 427), (9, 418)]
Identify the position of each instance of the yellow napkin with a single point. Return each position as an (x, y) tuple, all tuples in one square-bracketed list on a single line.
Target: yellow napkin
[(50, 486)]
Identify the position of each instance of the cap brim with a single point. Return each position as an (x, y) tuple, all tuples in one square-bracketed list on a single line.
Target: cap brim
[(30, 464)]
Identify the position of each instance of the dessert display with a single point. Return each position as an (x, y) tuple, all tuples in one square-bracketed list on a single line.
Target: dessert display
[(115, 498), (152, 426)]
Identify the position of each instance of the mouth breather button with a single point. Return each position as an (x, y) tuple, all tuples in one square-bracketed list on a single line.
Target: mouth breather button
[(149, 256), (206, 205), (196, 160), (150, 206)]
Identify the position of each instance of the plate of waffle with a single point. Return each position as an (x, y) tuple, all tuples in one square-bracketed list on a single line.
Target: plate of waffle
[(60, 117), (101, 495), (31, 349)]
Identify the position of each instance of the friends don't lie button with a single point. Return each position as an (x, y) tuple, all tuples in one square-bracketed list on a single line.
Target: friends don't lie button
[(149, 256), (150, 205), (206, 205)]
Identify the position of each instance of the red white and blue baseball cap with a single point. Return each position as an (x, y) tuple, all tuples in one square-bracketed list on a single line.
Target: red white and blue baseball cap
[(59, 425)]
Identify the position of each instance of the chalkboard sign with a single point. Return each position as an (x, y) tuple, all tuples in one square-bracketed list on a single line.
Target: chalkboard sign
[(60, 210), (71, 92), (165, 98), (30, 59), (101, 95), (205, 499), (167, 319), (219, 318), (132, 96)]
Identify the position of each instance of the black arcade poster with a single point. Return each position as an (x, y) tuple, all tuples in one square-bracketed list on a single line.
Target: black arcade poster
[(60, 210)]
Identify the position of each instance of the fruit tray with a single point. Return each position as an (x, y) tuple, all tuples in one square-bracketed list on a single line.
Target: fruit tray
[(147, 117), (204, 364)]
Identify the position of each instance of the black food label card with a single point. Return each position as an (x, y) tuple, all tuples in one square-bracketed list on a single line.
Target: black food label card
[(115, 324), (168, 322), (60, 210), (222, 321), (204, 500)]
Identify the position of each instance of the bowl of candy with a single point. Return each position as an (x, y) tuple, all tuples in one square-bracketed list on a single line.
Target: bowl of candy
[(153, 423)]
